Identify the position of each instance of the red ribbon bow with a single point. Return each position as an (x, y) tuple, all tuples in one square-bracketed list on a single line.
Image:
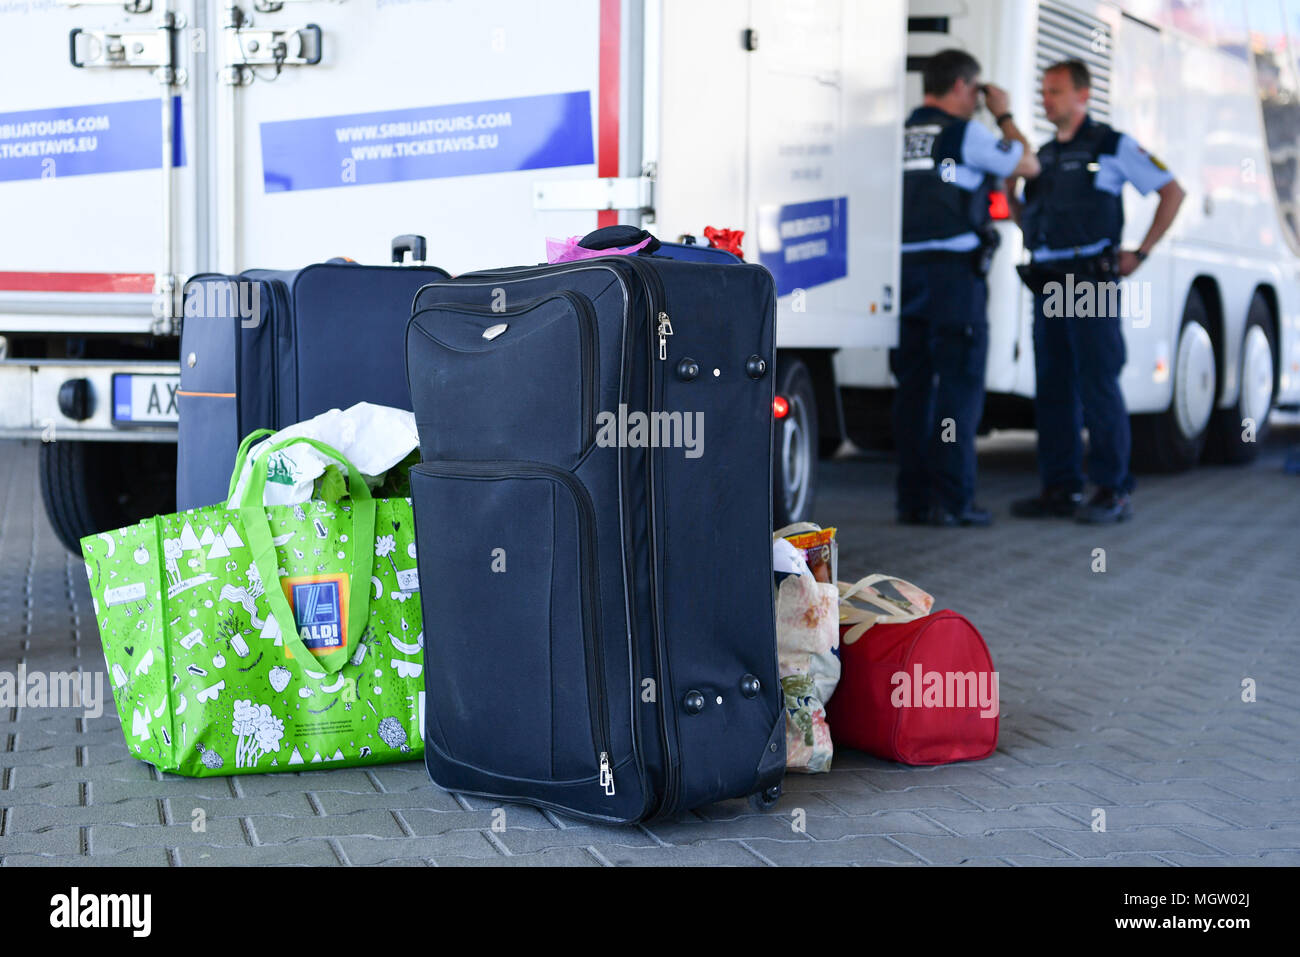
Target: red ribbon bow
[(728, 239)]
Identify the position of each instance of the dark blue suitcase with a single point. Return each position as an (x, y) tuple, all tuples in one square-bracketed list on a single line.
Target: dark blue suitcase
[(324, 337), (696, 253), (601, 637)]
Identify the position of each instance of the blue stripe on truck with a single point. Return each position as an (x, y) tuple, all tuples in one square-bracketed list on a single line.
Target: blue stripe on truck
[(431, 142), (86, 139)]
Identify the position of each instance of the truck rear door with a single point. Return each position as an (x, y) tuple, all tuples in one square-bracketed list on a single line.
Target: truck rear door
[(92, 217), (431, 118), (785, 119)]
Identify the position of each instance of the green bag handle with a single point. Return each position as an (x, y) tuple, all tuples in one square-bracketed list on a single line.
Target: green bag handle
[(244, 446), (258, 527)]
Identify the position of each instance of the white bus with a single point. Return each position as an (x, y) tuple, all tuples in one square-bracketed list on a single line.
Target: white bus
[(1210, 87)]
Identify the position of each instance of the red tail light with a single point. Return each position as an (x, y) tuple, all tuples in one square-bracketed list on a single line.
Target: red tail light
[(998, 207), (780, 408)]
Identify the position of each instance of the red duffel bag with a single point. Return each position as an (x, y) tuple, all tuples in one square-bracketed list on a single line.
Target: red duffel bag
[(914, 687)]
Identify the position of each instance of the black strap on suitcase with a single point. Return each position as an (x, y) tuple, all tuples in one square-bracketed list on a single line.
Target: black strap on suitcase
[(593, 521)]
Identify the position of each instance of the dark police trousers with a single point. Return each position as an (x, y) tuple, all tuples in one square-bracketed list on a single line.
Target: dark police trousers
[(1077, 362), (939, 363)]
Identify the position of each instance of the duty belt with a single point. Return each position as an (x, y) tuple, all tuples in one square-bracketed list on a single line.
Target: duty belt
[(1036, 275)]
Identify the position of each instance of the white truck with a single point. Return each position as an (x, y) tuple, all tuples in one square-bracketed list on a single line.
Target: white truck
[(144, 143)]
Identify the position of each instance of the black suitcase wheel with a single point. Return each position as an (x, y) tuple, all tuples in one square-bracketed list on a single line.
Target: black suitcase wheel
[(766, 800)]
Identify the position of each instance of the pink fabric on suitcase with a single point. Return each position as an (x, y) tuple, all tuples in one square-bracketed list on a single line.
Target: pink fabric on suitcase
[(568, 250)]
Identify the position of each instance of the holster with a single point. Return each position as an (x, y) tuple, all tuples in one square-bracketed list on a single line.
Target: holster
[(982, 257), (1102, 267)]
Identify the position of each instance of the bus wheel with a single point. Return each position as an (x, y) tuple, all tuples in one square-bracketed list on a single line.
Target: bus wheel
[(1237, 433), (794, 460), (1172, 441), (93, 487)]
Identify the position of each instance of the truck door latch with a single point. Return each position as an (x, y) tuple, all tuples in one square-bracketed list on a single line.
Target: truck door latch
[(247, 49), (132, 49)]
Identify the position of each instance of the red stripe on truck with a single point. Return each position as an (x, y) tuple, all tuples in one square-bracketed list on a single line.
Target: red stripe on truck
[(76, 281), (607, 109)]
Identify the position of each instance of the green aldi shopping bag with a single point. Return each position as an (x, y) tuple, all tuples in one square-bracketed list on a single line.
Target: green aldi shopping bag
[(255, 639)]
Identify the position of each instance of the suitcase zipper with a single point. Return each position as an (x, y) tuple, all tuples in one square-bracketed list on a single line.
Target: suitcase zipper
[(665, 330), (657, 309), (588, 335), (595, 656), (280, 318)]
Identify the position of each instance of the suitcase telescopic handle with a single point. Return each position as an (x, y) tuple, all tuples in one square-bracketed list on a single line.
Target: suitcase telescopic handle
[(417, 246)]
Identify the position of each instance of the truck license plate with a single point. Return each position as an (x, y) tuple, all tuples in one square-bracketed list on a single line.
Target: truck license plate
[(140, 399)]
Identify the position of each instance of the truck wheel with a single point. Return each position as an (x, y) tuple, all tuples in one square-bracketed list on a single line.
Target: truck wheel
[(1172, 441), (1255, 400), (92, 487), (794, 461)]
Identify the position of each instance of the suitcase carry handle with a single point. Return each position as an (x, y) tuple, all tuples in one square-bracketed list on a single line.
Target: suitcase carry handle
[(258, 529), (620, 236), (895, 612), (417, 246)]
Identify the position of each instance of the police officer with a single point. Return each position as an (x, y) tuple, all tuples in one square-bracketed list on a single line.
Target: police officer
[(950, 163), (1072, 219)]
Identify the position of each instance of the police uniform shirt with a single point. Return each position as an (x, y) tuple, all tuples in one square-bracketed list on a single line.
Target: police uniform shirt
[(982, 154), (1128, 163)]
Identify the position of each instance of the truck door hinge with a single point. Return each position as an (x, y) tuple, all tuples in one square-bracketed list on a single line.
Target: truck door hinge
[(628, 192), (246, 49), (166, 304), (131, 49)]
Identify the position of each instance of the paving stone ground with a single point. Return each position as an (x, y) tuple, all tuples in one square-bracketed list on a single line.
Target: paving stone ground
[(1121, 692)]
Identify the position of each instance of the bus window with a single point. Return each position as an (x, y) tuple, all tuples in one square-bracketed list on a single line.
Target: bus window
[(1231, 31), (1279, 94), (1193, 17)]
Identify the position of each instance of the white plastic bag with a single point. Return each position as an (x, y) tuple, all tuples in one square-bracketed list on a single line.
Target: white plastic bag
[(373, 437), (808, 638)]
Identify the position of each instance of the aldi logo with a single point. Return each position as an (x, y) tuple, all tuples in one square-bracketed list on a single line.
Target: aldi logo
[(320, 609)]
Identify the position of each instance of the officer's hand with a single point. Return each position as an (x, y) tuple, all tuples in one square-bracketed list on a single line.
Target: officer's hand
[(996, 99), (1128, 262)]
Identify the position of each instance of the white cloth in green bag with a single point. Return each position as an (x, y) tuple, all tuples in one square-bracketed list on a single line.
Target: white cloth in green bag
[(374, 438)]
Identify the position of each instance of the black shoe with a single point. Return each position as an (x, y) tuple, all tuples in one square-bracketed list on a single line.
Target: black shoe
[(913, 516), (1105, 507), (971, 516), (1050, 503)]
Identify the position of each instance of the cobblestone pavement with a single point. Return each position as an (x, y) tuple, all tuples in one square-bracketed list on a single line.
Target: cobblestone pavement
[(1121, 691)]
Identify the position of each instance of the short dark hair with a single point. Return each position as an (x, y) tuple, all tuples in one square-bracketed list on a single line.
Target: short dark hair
[(945, 68), (1080, 78)]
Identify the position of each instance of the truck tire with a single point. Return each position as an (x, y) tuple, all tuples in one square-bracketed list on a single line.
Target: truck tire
[(794, 440), (1172, 441), (1255, 398), (93, 487)]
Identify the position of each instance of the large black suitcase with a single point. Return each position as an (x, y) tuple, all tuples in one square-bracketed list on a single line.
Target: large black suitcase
[(600, 634), (268, 348)]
